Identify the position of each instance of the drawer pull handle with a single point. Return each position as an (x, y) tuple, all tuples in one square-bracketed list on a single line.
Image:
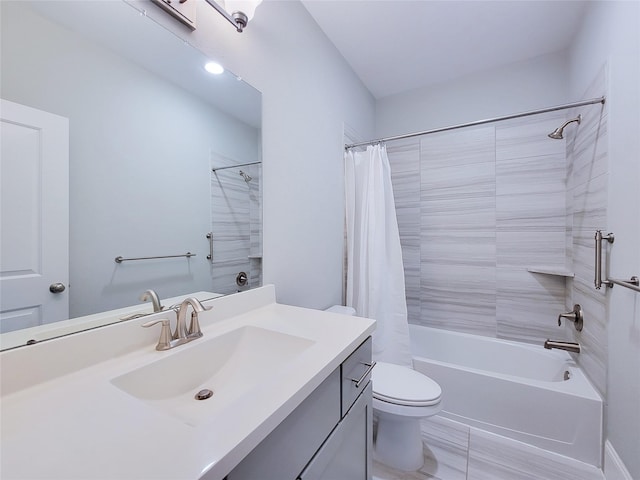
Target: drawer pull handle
[(365, 374)]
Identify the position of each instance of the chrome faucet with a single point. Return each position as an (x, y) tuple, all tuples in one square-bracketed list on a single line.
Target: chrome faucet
[(153, 296), (182, 334), (147, 295), (568, 346), (193, 331)]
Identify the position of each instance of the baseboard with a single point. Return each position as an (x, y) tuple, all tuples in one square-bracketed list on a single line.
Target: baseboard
[(614, 468)]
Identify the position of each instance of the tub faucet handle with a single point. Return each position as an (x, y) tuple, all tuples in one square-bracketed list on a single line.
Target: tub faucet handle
[(576, 316)]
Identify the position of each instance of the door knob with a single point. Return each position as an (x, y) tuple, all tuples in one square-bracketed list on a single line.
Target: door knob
[(56, 287)]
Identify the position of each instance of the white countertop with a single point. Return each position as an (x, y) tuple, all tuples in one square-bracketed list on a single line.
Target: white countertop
[(69, 421)]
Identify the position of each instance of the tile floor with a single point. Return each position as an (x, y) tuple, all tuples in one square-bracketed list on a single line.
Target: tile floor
[(454, 451)]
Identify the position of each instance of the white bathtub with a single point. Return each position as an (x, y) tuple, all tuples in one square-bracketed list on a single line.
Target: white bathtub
[(513, 389)]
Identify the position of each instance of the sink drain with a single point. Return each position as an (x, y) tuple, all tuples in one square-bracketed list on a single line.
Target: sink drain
[(204, 394)]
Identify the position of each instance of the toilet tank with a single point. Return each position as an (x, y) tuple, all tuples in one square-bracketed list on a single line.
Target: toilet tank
[(342, 310)]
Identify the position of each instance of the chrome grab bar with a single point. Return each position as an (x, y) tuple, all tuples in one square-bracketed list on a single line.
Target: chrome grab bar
[(609, 237), (365, 374), (633, 283), (120, 259)]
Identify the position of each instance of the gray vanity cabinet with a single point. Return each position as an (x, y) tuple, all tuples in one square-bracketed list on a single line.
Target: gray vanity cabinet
[(347, 452), (327, 437)]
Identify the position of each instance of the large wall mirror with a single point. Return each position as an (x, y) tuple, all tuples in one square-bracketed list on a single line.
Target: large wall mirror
[(160, 153)]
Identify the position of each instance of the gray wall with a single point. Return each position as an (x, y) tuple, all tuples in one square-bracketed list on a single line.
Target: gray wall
[(517, 87)]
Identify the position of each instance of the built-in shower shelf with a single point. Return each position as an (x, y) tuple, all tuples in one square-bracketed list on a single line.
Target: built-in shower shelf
[(258, 257), (552, 270)]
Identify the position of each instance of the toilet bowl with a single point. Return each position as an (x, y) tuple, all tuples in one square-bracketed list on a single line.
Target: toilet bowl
[(401, 398)]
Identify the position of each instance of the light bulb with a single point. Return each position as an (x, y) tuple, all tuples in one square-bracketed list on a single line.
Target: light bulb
[(248, 7), (214, 68)]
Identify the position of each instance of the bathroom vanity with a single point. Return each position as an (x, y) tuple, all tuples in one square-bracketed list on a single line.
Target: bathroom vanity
[(329, 436), (105, 404)]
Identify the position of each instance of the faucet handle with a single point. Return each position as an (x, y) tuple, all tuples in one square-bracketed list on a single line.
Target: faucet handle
[(576, 316), (164, 343)]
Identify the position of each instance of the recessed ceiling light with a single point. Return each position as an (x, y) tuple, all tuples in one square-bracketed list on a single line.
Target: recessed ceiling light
[(213, 67)]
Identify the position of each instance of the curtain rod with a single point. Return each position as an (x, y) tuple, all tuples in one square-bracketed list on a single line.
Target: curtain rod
[(235, 166), (479, 122)]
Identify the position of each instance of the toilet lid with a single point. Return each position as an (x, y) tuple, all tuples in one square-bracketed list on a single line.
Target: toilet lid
[(403, 386)]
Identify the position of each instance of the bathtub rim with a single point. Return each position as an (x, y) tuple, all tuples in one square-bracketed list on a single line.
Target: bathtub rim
[(579, 384)]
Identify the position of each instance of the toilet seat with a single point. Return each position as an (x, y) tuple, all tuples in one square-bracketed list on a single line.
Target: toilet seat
[(404, 386)]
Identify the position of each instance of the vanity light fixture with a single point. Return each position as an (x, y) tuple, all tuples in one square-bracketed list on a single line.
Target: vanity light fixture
[(214, 68), (237, 12)]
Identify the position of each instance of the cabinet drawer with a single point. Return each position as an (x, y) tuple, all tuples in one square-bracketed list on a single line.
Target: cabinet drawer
[(353, 368)]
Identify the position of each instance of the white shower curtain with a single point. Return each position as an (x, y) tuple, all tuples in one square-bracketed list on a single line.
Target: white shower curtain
[(375, 273)]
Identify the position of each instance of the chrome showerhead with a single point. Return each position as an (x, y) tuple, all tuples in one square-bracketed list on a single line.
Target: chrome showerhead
[(557, 133), (246, 177)]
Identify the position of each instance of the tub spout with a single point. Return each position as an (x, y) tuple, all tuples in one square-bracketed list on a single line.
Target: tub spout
[(568, 346)]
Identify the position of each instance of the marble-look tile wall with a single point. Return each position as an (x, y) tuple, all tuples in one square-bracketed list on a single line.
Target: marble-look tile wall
[(236, 224), (530, 228), (458, 230), (255, 225), (404, 157), (476, 208), (587, 161)]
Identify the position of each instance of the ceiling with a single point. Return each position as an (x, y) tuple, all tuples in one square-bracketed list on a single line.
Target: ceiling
[(400, 45)]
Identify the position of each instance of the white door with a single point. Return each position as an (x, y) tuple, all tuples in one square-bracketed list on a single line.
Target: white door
[(34, 217)]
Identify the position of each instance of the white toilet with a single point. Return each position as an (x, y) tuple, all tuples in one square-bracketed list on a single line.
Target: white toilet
[(401, 397)]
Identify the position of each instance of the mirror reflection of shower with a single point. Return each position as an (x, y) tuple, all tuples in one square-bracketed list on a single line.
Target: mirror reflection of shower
[(236, 222), (557, 133), (247, 178)]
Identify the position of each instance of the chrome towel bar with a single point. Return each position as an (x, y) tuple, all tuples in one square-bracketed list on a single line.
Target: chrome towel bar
[(121, 259), (633, 283)]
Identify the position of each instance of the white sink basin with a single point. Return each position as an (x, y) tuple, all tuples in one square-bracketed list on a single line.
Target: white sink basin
[(230, 365)]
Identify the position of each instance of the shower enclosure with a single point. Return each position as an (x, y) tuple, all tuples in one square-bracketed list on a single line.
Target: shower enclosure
[(496, 221)]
